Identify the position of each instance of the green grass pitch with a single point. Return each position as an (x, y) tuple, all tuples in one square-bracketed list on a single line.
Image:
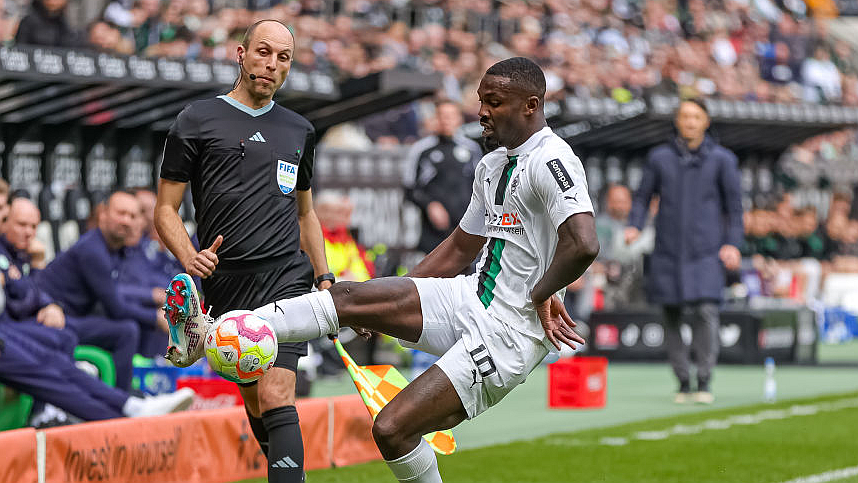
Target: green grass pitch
[(768, 443)]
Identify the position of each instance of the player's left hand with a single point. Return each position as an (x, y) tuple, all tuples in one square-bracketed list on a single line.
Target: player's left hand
[(556, 323)]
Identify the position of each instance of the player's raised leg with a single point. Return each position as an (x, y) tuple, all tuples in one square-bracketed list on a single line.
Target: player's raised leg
[(387, 305)]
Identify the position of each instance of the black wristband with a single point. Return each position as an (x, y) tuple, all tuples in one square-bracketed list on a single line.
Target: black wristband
[(324, 277)]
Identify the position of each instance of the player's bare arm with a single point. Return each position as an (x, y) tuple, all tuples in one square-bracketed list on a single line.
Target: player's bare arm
[(449, 258), (172, 231), (577, 247), (312, 241)]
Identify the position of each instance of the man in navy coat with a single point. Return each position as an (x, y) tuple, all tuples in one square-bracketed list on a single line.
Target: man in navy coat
[(83, 281), (698, 232)]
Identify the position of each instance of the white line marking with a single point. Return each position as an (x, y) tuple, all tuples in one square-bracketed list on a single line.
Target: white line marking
[(804, 410), (772, 414), (716, 424), (743, 419), (566, 441), (652, 435), (685, 429), (614, 441), (736, 419), (832, 475)]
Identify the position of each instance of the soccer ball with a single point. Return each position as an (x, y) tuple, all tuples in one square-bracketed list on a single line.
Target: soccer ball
[(241, 346)]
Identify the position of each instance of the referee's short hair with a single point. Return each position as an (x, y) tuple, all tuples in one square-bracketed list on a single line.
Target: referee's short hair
[(523, 74), (248, 34)]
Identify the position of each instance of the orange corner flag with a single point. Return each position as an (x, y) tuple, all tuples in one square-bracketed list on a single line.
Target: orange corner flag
[(377, 385)]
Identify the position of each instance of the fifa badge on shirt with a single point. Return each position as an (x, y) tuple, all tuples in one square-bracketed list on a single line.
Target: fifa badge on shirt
[(287, 176)]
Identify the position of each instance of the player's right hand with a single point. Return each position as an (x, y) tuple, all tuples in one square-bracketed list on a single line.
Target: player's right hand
[(203, 263)]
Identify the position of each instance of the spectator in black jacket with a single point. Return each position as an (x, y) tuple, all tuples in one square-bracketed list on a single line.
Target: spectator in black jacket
[(439, 175), (45, 24)]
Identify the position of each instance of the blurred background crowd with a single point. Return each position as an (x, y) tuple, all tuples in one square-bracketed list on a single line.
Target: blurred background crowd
[(737, 49)]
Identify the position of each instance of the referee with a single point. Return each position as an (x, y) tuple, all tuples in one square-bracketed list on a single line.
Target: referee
[(250, 162)]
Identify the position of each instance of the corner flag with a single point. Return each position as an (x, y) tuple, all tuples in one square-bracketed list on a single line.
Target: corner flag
[(377, 385)]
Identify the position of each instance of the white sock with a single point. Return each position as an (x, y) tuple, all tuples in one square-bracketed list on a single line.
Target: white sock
[(133, 406), (418, 466), (302, 318)]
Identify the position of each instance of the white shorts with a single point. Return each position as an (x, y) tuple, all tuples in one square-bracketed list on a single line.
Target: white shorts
[(483, 357)]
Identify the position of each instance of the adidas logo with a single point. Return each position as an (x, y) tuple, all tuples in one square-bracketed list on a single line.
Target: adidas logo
[(257, 137), (286, 461)]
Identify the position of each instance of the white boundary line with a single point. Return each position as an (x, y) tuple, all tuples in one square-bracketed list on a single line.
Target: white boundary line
[(721, 424), (832, 475)]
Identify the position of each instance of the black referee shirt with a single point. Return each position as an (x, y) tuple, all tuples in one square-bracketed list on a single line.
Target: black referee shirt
[(244, 166)]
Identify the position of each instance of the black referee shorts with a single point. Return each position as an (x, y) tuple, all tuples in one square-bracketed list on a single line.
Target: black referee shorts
[(250, 290)]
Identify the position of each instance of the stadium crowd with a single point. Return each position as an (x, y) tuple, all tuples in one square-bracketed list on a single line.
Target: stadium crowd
[(735, 49)]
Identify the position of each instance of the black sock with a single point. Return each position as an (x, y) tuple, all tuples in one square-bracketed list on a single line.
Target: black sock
[(286, 449), (259, 432)]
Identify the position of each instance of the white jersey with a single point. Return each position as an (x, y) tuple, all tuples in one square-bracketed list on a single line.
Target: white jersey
[(520, 197)]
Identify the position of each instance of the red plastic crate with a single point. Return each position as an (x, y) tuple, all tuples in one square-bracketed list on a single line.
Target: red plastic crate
[(211, 393), (578, 382)]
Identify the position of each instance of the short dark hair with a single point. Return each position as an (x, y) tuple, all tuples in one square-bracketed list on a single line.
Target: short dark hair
[(523, 74), (698, 101), (248, 34)]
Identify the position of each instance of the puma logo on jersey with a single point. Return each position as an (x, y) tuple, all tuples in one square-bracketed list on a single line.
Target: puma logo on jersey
[(573, 198), (257, 137)]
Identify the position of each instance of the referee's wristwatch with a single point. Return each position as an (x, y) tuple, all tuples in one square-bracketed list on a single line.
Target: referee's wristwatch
[(329, 277)]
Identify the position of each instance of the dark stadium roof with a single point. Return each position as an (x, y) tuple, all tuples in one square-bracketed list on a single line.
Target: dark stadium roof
[(60, 86), (739, 125), (600, 123)]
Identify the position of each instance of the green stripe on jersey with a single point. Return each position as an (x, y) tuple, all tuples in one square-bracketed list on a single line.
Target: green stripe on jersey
[(500, 194), (491, 269)]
